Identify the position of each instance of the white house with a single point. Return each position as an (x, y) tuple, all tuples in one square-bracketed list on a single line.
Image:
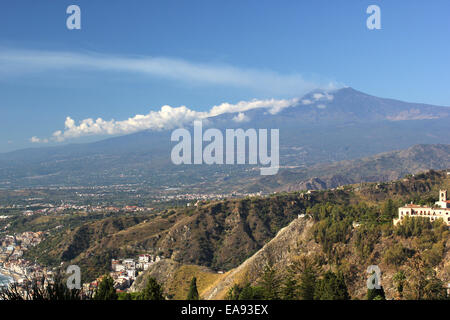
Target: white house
[(441, 210)]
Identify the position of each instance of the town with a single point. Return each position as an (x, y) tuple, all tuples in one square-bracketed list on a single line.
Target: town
[(124, 271)]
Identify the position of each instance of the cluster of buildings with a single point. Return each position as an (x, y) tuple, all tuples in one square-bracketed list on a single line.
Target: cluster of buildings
[(205, 196), (48, 208), (12, 248), (441, 210), (22, 270), (125, 271)]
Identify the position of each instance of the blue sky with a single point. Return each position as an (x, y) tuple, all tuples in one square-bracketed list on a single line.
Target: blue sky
[(133, 57)]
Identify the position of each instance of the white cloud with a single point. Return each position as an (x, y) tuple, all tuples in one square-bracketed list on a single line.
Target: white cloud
[(241, 117), (38, 140), (319, 96), (273, 105), (166, 118), (20, 62)]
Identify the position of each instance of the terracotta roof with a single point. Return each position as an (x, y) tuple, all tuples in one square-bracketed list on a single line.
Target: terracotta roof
[(412, 206)]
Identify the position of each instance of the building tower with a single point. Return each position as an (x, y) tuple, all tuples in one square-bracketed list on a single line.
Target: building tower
[(442, 195), (443, 202)]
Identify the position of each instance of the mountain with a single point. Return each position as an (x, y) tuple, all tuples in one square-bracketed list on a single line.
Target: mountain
[(345, 105), (322, 127), (378, 168)]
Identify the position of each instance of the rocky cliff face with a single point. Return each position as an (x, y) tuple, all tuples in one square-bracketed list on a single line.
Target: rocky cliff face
[(278, 251)]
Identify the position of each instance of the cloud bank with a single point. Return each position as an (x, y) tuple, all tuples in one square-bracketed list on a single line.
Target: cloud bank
[(168, 118)]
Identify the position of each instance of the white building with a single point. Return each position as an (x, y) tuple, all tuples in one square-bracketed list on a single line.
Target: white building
[(441, 210), (129, 263), (143, 258)]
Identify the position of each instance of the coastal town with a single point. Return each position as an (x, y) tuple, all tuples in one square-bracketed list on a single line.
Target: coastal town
[(21, 271), (12, 264)]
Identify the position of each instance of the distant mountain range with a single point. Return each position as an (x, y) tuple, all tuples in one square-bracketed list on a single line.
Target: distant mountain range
[(323, 127), (378, 168)]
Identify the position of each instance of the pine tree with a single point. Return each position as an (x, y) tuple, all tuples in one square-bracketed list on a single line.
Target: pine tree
[(153, 290), (290, 287), (389, 211), (307, 284), (105, 290), (193, 292), (270, 283), (251, 293), (331, 287), (234, 292)]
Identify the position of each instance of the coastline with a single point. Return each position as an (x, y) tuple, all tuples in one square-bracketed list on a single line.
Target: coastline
[(7, 277)]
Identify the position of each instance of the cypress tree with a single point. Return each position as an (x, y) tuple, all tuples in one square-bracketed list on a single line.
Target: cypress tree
[(193, 292)]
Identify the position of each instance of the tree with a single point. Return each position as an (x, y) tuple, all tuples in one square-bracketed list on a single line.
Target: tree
[(307, 284), (234, 292), (376, 294), (193, 292), (331, 287), (397, 255), (153, 290), (270, 282), (422, 281), (246, 292), (124, 296), (105, 290), (38, 290), (306, 268), (435, 290), (251, 293), (290, 287), (389, 210), (399, 281)]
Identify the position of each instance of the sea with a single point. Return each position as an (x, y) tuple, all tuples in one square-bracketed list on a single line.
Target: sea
[(5, 280)]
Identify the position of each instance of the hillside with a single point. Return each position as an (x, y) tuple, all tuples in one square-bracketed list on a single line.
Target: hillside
[(220, 234), (296, 242), (176, 278), (372, 241), (279, 250)]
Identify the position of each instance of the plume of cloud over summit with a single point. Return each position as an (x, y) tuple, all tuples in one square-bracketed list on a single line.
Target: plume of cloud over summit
[(171, 117), (166, 118)]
